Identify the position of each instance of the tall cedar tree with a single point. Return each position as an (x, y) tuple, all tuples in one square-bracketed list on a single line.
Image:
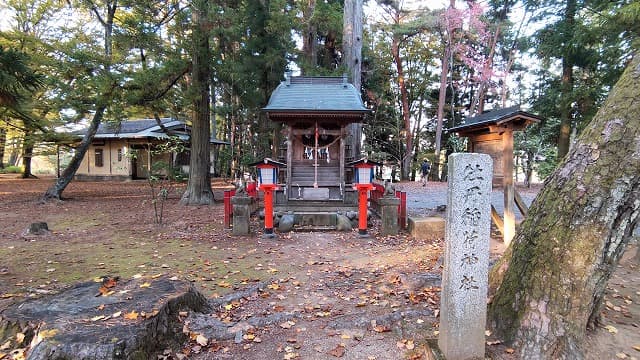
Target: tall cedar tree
[(199, 186)]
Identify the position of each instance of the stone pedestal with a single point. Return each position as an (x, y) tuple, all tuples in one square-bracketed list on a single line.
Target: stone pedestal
[(389, 215), (463, 304), (241, 214), (428, 228)]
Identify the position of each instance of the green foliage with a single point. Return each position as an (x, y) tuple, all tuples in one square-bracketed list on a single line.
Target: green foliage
[(320, 28), (456, 143), (11, 170), (536, 148), (17, 79), (595, 42), (547, 166)]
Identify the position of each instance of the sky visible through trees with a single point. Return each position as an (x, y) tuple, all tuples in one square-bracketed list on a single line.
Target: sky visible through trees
[(555, 62)]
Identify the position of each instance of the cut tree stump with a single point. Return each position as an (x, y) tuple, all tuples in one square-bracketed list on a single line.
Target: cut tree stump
[(97, 320), (37, 228)]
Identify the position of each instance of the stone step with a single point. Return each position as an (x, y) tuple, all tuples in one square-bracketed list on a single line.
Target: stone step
[(427, 227)]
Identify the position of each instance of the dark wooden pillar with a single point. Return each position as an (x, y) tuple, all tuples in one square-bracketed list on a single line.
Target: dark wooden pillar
[(342, 163), (289, 154)]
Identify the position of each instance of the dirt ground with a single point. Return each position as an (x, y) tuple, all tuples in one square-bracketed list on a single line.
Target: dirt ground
[(345, 297)]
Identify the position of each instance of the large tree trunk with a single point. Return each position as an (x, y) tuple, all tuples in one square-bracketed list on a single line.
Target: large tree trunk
[(352, 50), (309, 41), (554, 280), (3, 141), (199, 186), (566, 89), (27, 153)]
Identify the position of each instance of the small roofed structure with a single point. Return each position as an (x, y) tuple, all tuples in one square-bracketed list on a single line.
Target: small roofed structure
[(108, 155), (492, 133), (316, 112)]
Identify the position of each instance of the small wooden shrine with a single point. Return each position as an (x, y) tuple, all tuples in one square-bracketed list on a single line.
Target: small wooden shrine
[(316, 112), (492, 133)]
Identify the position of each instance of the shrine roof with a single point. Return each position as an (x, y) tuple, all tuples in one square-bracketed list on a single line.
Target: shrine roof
[(364, 161), (499, 117), (315, 94)]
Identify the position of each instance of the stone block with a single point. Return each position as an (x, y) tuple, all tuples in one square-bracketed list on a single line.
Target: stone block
[(343, 223), (241, 215), (286, 223), (427, 228), (389, 211)]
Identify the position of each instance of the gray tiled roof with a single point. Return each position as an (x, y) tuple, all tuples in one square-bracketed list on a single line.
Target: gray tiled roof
[(315, 94), (493, 116), (130, 126), (145, 128)]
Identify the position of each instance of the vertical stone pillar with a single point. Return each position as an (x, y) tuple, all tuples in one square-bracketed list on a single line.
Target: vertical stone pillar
[(389, 214), (463, 307), (241, 214)]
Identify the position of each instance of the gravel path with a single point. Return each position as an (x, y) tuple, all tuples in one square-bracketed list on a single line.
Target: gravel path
[(422, 201)]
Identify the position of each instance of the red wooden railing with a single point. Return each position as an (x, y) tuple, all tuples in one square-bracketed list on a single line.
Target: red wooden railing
[(252, 191), (374, 196), (228, 208), (402, 209), (378, 192)]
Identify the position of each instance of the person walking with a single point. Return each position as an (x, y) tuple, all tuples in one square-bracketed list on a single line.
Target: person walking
[(425, 167)]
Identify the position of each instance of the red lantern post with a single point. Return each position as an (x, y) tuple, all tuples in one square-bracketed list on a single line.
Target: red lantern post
[(364, 176), (268, 178)]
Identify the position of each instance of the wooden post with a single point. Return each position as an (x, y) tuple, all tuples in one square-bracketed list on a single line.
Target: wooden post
[(342, 164), (497, 220), (507, 186), (290, 150), (57, 160), (522, 206)]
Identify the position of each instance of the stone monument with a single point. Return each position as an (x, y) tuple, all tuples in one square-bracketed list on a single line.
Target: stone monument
[(389, 211), (241, 210), (463, 305)]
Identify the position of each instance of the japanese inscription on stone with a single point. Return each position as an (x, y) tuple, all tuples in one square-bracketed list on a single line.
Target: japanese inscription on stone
[(466, 258)]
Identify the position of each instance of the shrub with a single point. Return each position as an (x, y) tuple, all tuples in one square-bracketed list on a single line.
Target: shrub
[(11, 170)]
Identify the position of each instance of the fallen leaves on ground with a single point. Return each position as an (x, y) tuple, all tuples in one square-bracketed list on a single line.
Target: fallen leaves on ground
[(133, 315), (202, 340), (107, 284), (381, 328), (611, 329), (44, 334), (338, 351), (287, 324)]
